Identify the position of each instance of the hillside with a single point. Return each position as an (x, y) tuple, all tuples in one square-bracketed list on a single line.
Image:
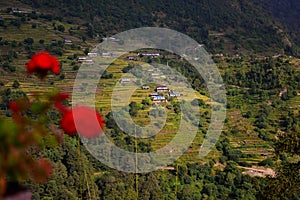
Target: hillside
[(263, 95), (237, 26), (287, 11)]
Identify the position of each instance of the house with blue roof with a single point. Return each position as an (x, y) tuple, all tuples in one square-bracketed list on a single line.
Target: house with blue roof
[(159, 99)]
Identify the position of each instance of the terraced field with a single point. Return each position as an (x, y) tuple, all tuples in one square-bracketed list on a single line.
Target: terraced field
[(167, 133), (245, 138)]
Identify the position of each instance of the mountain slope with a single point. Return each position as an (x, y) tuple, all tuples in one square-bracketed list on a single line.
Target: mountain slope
[(288, 12), (236, 26)]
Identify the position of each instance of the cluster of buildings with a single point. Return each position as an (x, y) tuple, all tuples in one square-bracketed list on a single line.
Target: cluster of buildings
[(87, 59), (148, 54), (17, 10), (91, 55), (84, 60), (159, 95), (153, 54)]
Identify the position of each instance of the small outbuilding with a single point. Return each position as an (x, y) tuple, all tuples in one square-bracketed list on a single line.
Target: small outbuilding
[(162, 88), (145, 87)]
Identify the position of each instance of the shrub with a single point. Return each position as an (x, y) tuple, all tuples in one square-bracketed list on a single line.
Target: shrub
[(61, 28), (267, 162), (28, 41), (16, 84)]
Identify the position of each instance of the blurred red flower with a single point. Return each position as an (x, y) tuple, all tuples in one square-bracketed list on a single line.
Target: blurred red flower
[(2, 185), (46, 166), (41, 63), (18, 106), (88, 122), (41, 170), (14, 107)]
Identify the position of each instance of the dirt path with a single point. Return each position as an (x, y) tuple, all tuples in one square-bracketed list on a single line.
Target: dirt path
[(258, 171)]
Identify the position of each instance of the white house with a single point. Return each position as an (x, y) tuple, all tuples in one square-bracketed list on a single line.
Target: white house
[(92, 54), (149, 54), (106, 54), (125, 80), (159, 99), (162, 88), (113, 39), (81, 59), (88, 61), (145, 87), (153, 94), (155, 74), (174, 94), (68, 42), (130, 58)]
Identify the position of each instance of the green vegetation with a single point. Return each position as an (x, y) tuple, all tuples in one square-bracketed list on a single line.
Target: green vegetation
[(223, 26), (262, 124)]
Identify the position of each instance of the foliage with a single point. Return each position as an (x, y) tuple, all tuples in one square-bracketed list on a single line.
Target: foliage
[(229, 26), (27, 134), (254, 85), (286, 183)]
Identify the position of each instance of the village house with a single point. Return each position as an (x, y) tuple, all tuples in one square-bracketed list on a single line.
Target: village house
[(88, 61), (106, 54), (130, 58), (154, 74), (219, 55), (81, 59), (19, 11), (92, 54), (145, 87), (125, 80), (159, 99), (162, 88), (174, 94), (153, 94), (68, 42), (113, 39), (149, 54), (114, 55)]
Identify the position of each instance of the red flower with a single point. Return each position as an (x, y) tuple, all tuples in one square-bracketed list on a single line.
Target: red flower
[(88, 122), (41, 63), (59, 106), (67, 123), (18, 106), (41, 170), (14, 107)]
